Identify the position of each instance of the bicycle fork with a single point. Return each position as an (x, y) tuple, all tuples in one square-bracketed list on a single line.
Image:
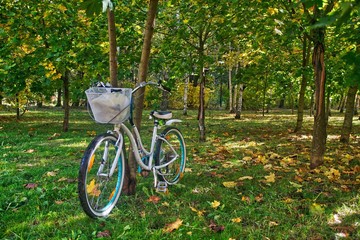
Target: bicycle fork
[(119, 144)]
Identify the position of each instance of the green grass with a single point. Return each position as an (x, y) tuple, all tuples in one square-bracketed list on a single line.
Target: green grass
[(39, 166)]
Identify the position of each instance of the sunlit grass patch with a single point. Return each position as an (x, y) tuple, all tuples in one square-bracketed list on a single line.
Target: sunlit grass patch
[(249, 180)]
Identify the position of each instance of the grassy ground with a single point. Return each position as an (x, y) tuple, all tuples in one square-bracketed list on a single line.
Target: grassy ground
[(250, 180)]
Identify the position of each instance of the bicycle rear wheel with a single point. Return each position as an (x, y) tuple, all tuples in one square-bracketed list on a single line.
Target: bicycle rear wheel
[(101, 176), (170, 147)]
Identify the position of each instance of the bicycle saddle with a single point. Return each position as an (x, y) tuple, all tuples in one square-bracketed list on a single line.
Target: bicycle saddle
[(162, 114)]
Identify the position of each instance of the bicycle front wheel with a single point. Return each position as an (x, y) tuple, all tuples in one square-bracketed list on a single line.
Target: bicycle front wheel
[(101, 176), (170, 151)]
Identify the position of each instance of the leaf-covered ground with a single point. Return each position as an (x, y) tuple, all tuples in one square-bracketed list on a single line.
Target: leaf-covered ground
[(250, 180)]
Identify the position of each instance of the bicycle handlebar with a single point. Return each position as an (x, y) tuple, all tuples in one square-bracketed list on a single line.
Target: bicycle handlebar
[(158, 84)]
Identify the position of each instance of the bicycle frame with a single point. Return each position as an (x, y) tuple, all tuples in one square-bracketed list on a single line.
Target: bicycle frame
[(137, 145)]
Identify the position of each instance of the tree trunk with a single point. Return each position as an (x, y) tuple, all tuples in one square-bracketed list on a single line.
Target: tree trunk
[(319, 130), (342, 104), (201, 115), (112, 53), (130, 176), (239, 104), (186, 89), (304, 80), (349, 114), (66, 83), (357, 105), (58, 103), (231, 103), (264, 94)]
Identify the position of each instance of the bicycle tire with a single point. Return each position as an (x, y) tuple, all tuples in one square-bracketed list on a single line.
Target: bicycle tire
[(172, 173), (98, 192)]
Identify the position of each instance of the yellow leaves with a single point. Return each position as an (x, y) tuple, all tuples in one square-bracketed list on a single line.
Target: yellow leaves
[(92, 189), (272, 11), (332, 174), (270, 178), (236, 220), (51, 71), (91, 162), (245, 178), (215, 204), (230, 184), (186, 21), (199, 212), (316, 209), (172, 226), (62, 8)]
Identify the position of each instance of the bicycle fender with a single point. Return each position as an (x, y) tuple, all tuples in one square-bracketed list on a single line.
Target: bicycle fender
[(171, 121)]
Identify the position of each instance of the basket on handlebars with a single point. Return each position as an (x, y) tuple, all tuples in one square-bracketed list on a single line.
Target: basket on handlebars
[(109, 105)]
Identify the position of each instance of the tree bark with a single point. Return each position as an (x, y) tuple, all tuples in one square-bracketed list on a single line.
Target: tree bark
[(186, 89), (130, 176), (319, 130), (231, 102), (349, 114), (201, 114), (112, 53), (66, 100), (58, 102), (240, 100), (303, 85)]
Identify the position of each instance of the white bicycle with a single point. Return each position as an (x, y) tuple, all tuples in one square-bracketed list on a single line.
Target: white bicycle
[(102, 167)]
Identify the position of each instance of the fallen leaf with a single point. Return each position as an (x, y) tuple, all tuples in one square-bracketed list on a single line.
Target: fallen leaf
[(51, 174), (229, 184), (236, 220), (247, 158), (172, 226), (31, 185), (199, 212), (332, 174), (215, 204), (154, 199), (92, 189), (272, 224), (105, 233), (316, 209), (270, 178), (245, 199), (30, 151), (259, 198), (216, 228), (245, 178)]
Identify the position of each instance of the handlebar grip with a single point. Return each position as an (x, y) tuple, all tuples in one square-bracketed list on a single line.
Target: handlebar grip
[(166, 88)]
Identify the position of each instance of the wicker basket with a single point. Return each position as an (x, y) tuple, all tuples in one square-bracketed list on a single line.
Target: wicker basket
[(109, 105)]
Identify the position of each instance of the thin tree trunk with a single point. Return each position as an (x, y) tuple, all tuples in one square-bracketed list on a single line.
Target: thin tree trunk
[(304, 81), (58, 103), (130, 176), (264, 94), (201, 114), (186, 88), (240, 100), (319, 130), (357, 105), (66, 102), (349, 114), (112, 53), (164, 105), (231, 104)]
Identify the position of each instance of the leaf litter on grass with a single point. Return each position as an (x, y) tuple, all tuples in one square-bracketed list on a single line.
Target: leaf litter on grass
[(259, 176)]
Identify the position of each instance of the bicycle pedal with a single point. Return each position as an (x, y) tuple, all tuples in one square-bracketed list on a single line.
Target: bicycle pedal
[(162, 187)]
